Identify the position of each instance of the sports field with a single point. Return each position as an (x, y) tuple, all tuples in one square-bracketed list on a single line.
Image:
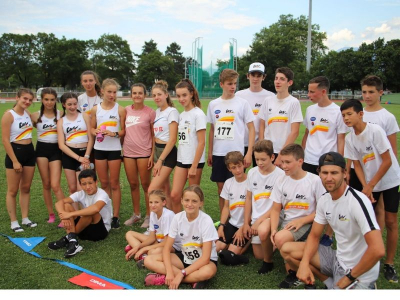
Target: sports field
[(22, 271)]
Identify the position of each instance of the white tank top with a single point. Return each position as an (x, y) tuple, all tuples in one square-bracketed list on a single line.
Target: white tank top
[(109, 119), (86, 103), (75, 131), (21, 128), (47, 129)]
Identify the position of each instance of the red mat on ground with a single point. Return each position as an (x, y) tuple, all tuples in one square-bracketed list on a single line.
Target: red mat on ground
[(93, 282)]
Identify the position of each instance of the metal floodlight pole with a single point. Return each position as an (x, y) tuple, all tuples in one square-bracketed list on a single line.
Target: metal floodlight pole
[(308, 65)]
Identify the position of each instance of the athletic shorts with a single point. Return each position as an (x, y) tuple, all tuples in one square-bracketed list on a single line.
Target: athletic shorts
[(25, 155), (185, 265), (93, 232), (170, 160), (255, 239), (331, 267), (301, 234), (229, 231), (48, 150), (252, 156), (219, 171), (354, 181), (187, 166), (107, 155), (390, 199), (70, 163), (310, 168)]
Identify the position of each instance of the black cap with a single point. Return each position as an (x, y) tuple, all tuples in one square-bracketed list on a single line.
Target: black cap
[(337, 160)]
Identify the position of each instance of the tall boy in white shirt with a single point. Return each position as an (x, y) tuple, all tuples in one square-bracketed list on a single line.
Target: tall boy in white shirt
[(228, 115)]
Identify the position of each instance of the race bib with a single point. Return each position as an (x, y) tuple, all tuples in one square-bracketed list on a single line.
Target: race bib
[(183, 135), (224, 131), (191, 254)]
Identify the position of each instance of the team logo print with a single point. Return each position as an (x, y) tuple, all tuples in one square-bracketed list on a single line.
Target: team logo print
[(268, 187), (217, 116), (255, 183), (181, 234), (257, 105), (284, 195), (229, 111), (313, 118), (113, 117), (324, 120), (342, 218), (282, 112), (369, 148), (156, 226), (242, 196), (217, 112), (302, 197), (195, 238)]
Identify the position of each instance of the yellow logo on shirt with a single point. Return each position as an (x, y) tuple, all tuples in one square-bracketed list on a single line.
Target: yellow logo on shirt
[(297, 205), (368, 157), (278, 120), (319, 128)]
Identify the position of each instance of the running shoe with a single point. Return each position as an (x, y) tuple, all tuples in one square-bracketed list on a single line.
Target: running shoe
[(115, 223), (140, 264), (61, 243), (290, 281), (146, 222), (128, 248), (73, 248), (201, 285), (390, 273), (154, 279), (132, 220)]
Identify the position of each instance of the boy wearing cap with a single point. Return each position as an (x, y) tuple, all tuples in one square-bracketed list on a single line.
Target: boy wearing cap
[(355, 263), (378, 171), (280, 116), (256, 96)]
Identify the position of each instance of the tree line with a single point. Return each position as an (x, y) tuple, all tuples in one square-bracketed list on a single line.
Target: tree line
[(45, 60)]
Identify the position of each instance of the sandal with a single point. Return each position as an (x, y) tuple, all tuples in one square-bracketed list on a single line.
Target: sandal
[(30, 224), (18, 229)]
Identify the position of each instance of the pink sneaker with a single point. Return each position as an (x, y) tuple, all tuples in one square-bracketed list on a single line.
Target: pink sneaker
[(52, 218), (128, 248), (141, 257), (61, 225), (154, 279)]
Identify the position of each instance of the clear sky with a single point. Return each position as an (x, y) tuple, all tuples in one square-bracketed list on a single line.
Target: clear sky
[(347, 23)]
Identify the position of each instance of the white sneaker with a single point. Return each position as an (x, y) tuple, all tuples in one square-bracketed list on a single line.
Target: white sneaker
[(146, 222), (132, 220)]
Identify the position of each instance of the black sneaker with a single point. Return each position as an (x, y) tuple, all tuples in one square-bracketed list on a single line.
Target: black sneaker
[(201, 285), (266, 268), (115, 223), (73, 248), (61, 243), (290, 281), (310, 287), (390, 273)]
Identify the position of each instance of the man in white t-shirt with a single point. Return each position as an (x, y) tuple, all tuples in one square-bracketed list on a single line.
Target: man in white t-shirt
[(92, 222), (280, 115), (256, 96), (355, 263)]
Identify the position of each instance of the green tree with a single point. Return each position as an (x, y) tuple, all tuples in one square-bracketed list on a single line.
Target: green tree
[(149, 47), (284, 43), (173, 52), (391, 56)]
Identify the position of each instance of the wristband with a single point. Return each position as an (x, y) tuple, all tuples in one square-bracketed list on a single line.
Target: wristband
[(183, 272), (348, 275), (221, 224), (116, 135), (87, 156)]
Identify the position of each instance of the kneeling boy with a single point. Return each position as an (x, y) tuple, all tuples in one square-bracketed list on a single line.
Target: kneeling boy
[(92, 222)]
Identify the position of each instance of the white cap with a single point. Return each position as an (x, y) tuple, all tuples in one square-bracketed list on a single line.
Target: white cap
[(257, 67)]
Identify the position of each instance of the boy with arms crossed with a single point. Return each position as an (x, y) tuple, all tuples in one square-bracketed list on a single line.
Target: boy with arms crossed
[(280, 116), (92, 222), (255, 95), (261, 181), (228, 116), (378, 171), (231, 241), (296, 193)]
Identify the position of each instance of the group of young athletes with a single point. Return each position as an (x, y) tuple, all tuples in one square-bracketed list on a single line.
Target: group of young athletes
[(272, 207)]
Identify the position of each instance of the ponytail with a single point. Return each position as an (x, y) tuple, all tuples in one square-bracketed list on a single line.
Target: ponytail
[(186, 83)]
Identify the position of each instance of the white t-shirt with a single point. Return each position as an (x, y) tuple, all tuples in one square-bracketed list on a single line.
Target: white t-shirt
[(87, 200), (86, 103), (297, 197), (323, 124), (161, 226), (255, 99), (230, 118), (189, 123), (382, 118), (193, 234), (162, 121), (235, 193), (367, 148), (261, 187), (279, 114), (351, 217)]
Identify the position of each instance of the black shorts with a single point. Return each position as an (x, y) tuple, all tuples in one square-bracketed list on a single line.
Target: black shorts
[(354, 181), (25, 155), (252, 156), (187, 166), (93, 232), (310, 168), (219, 171), (390, 199), (48, 150), (229, 231), (107, 155), (171, 160), (71, 163), (185, 265)]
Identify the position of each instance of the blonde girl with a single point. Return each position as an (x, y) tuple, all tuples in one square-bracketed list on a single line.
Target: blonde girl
[(165, 132), (191, 139), (16, 129), (196, 263), (48, 154), (138, 147), (108, 126)]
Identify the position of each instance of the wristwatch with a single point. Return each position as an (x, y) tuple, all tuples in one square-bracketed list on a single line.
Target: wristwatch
[(116, 134), (183, 272), (348, 275)]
